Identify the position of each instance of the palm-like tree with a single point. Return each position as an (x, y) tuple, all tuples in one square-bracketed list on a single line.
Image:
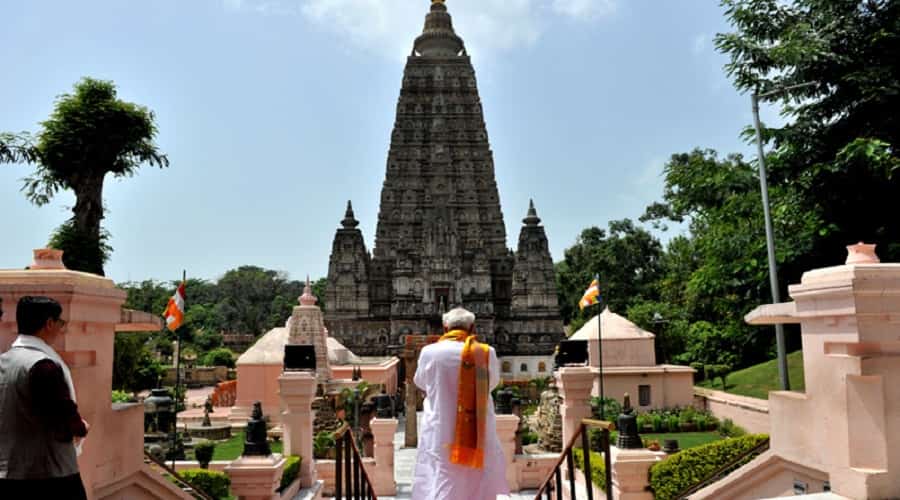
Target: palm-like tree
[(90, 134)]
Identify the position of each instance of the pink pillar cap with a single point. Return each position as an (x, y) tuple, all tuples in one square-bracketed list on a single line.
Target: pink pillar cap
[(862, 253), (47, 258)]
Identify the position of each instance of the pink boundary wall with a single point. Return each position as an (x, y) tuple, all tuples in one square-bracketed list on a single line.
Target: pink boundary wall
[(750, 413), (112, 465)]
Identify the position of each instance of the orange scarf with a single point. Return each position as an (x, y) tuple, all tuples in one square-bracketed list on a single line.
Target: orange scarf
[(472, 402)]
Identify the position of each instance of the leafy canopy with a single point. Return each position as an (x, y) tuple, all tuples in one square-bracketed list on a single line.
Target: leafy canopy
[(89, 134)]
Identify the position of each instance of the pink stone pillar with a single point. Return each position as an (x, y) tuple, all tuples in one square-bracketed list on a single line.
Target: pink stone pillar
[(575, 384), (297, 390), (383, 430), (256, 478), (631, 473), (506, 431)]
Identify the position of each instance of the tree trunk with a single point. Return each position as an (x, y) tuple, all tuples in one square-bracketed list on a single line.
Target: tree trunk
[(87, 216)]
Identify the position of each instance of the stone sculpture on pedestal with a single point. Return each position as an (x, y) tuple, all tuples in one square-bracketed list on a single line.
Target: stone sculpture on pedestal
[(627, 426), (256, 442)]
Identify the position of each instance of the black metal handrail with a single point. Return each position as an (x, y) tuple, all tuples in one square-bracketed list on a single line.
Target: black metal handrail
[(723, 470), (183, 483), (356, 486), (553, 481)]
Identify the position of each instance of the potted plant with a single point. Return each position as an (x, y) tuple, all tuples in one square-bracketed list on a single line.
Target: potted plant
[(645, 422), (656, 420), (203, 452), (324, 445), (673, 423)]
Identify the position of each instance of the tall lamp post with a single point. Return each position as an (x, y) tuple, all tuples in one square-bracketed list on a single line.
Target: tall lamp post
[(770, 239)]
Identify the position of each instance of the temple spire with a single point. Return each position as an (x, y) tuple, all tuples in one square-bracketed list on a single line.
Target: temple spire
[(532, 218), (308, 299), (438, 38), (349, 221)]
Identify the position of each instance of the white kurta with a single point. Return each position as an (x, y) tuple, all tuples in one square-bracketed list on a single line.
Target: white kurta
[(436, 478)]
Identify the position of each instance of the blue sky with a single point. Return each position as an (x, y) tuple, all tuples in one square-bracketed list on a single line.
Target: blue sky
[(275, 112)]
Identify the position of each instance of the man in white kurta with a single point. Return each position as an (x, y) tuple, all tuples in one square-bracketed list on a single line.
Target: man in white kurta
[(438, 375)]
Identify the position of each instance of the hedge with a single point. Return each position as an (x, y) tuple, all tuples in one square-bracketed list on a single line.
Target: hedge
[(688, 467), (291, 469), (215, 483), (598, 466)]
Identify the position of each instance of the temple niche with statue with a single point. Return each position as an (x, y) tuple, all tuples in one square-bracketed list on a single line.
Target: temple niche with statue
[(440, 240)]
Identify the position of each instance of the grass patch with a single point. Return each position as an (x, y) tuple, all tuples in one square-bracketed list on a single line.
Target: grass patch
[(232, 448), (685, 439), (756, 381)]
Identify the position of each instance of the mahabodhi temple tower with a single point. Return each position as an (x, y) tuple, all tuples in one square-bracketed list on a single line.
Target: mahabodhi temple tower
[(441, 239)]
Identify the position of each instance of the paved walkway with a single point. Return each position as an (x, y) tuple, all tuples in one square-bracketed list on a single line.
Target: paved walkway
[(405, 465)]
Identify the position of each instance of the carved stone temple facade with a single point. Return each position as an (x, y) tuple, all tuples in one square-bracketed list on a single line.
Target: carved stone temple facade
[(441, 241)]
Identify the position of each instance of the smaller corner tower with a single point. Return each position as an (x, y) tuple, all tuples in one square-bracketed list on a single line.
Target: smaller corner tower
[(347, 294)]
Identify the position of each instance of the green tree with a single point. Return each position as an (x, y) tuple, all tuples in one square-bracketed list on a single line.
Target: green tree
[(721, 272), (667, 321), (90, 134), (627, 260), (134, 366), (838, 149), (318, 288), (254, 300)]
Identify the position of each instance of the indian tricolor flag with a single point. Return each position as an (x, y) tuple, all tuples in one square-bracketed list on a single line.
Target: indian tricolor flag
[(175, 310), (591, 295)]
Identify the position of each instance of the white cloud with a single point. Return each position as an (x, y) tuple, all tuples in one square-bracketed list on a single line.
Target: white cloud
[(388, 27), (584, 9)]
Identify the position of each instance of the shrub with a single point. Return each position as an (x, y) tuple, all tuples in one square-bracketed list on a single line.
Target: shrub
[(215, 483), (684, 469), (203, 452), (701, 422), (219, 357), (122, 397), (291, 469), (529, 437), (598, 466), (643, 420), (611, 409), (728, 429)]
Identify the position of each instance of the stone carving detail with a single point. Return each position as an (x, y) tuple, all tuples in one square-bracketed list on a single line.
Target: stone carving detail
[(547, 421), (440, 236)]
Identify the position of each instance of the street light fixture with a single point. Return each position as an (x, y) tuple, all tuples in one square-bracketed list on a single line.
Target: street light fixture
[(770, 239)]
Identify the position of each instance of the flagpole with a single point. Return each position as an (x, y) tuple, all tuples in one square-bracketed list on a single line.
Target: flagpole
[(177, 380), (600, 357)]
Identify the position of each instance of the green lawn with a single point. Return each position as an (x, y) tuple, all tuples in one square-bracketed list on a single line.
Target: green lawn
[(757, 381), (685, 439), (231, 449)]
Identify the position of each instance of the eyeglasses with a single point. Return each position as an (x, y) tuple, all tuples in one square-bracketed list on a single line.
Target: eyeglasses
[(61, 322)]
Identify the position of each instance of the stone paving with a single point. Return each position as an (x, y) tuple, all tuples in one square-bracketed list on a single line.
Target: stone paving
[(405, 465)]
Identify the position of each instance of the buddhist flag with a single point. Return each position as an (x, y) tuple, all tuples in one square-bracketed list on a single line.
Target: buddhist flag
[(591, 295), (175, 310)]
